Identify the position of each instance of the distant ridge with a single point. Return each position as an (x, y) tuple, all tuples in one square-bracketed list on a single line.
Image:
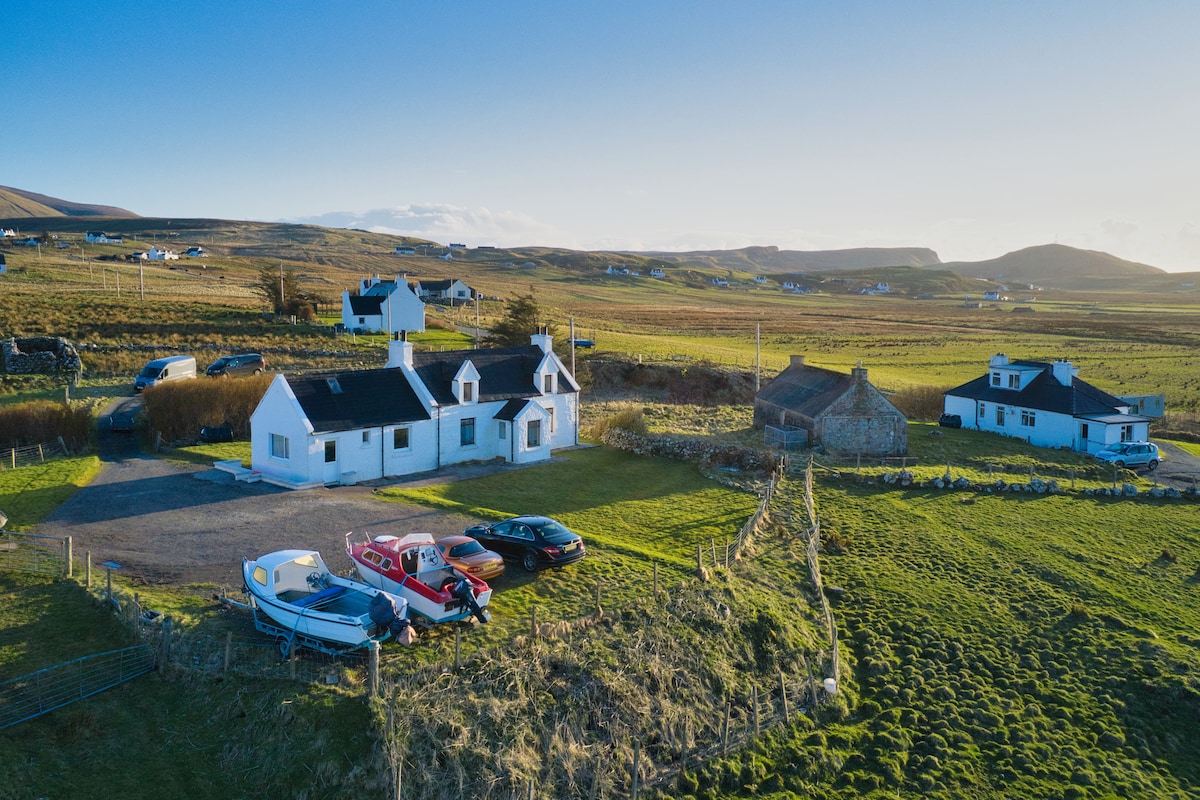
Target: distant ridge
[(20, 203), (1054, 265), (773, 260)]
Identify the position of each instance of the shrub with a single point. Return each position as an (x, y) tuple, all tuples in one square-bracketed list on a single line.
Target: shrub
[(919, 402), (178, 410), (629, 419), (44, 421)]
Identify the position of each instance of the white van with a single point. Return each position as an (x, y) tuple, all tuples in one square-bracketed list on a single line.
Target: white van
[(171, 368)]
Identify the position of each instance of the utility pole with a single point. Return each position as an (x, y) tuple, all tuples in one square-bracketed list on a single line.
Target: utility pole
[(478, 298), (281, 304), (141, 282), (757, 357)]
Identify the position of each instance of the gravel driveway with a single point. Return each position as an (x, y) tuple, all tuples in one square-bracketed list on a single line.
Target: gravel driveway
[(164, 523)]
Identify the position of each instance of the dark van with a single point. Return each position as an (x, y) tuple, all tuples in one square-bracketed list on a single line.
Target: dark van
[(241, 364)]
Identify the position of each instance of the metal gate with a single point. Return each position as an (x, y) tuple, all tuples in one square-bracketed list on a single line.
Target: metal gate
[(43, 691), (28, 552)]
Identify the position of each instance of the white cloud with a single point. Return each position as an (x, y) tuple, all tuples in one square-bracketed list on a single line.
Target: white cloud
[(445, 223)]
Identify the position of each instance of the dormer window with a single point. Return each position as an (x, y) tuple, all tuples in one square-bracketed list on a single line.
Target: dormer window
[(466, 384), (1014, 381), (468, 392), (548, 383), (995, 379)]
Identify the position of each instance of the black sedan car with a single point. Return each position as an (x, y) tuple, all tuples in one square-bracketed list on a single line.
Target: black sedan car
[(534, 542)]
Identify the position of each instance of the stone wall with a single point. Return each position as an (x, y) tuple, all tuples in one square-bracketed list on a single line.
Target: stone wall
[(40, 355), (690, 450)]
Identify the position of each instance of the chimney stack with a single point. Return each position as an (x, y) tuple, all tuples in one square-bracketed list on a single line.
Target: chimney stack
[(797, 361), (400, 350)]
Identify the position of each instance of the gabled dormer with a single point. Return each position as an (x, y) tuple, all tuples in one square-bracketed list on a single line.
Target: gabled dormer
[(1014, 375), (545, 377), (466, 384)]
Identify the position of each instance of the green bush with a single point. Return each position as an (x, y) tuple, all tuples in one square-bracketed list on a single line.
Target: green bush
[(178, 410)]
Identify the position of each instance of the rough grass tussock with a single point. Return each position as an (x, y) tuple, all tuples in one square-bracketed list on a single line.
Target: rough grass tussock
[(178, 410), (41, 421)]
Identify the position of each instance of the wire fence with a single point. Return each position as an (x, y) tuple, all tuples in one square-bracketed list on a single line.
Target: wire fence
[(27, 456)]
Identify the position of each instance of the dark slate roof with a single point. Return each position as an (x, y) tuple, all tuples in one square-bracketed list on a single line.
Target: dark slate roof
[(365, 306), (437, 286), (504, 372), (368, 398), (1044, 393), (806, 389), (512, 409)]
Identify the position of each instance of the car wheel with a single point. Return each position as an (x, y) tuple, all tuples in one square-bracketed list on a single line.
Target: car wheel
[(258, 372), (1152, 465), (1120, 464), (530, 560)]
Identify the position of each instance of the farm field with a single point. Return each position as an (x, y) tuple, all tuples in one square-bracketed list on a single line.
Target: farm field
[(992, 645)]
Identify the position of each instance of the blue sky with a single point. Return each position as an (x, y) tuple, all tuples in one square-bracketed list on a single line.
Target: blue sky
[(971, 128)]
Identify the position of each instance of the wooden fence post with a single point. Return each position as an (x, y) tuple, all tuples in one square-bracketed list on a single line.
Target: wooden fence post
[(713, 544), (228, 651), (699, 559), (533, 618), (372, 666), (726, 552), (164, 644), (637, 757), (41, 455), (70, 556), (87, 584), (457, 648)]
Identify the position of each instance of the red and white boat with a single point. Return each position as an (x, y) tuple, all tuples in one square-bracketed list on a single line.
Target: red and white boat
[(412, 567)]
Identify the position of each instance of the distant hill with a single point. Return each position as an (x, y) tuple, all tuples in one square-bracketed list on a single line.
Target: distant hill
[(16, 203), (771, 260), (1054, 265)]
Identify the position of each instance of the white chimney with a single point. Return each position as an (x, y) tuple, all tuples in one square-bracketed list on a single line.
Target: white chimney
[(998, 360), (797, 361), (1063, 372), (542, 340), (400, 351)]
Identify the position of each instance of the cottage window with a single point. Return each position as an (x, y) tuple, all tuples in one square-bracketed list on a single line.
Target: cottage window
[(331, 451), (400, 439), (995, 379), (279, 446), (1083, 431), (1014, 381), (547, 383), (1126, 433), (503, 430), (533, 433), (551, 412), (362, 320), (1000, 416), (1028, 418), (468, 392), (981, 411), (466, 432), (366, 437)]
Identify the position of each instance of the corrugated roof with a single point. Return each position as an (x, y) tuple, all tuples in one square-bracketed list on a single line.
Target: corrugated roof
[(806, 389)]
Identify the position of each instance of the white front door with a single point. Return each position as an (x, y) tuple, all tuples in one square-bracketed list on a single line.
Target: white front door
[(332, 475)]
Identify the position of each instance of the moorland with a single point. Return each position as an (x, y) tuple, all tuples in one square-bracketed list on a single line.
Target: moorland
[(990, 644)]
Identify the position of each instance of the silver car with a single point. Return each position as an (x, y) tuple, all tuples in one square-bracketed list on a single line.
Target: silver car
[(1131, 455)]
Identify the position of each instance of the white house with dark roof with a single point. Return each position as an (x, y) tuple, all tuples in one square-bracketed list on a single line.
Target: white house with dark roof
[(1046, 405), (422, 411), (383, 305), (449, 289)]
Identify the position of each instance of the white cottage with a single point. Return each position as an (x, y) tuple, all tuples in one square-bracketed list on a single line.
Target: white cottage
[(1046, 405), (421, 412), (383, 305)]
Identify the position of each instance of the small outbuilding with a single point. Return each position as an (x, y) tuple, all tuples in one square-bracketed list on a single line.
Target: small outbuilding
[(842, 413)]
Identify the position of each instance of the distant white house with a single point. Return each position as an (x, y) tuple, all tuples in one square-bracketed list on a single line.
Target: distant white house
[(992, 296), (383, 305), (657, 272), (157, 254), (196, 252), (100, 237), (719, 282), (405, 251), (457, 246), (447, 290), (760, 279), (421, 412), (1046, 405), (8, 233)]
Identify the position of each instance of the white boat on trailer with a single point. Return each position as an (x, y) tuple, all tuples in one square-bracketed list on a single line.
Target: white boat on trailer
[(309, 606)]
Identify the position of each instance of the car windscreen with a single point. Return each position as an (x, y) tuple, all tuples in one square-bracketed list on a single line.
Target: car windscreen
[(466, 549), (555, 532), (149, 372)]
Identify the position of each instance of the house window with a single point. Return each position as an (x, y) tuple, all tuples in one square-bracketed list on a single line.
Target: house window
[(1083, 431), (400, 439), (547, 383), (279, 446), (1028, 418), (981, 410), (366, 437), (331, 451), (533, 433), (1000, 416), (503, 430), (1014, 381), (551, 411), (468, 392), (362, 320), (466, 432), (995, 379), (1126, 433)]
